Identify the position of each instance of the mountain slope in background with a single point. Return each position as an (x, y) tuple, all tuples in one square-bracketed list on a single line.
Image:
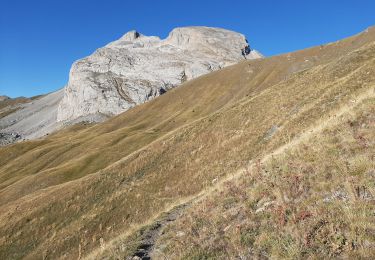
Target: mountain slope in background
[(128, 72), (233, 154), (2, 98), (8, 116), (35, 118)]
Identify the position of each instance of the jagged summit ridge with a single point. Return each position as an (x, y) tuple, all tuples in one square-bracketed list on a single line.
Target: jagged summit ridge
[(131, 36), (137, 68)]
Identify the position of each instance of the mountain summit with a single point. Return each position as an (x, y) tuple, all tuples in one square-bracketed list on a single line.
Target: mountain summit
[(125, 73), (137, 68)]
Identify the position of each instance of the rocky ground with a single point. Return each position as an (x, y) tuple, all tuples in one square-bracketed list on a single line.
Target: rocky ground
[(9, 138), (150, 235)]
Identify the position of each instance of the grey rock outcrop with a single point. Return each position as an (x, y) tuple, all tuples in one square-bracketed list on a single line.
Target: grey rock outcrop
[(137, 68), (123, 74), (2, 98), (8, 138)]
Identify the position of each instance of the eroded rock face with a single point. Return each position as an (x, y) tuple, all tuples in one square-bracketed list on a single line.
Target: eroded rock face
[(137, 68), (2, 98)]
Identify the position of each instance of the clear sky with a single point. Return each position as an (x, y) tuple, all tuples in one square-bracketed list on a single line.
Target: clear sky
[(39, 40)]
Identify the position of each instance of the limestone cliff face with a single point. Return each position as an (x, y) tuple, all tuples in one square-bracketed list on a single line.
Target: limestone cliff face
[(137, 68)]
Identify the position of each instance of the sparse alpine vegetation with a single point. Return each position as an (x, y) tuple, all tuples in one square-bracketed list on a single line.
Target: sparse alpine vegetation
[(269, 158), (315, 199)]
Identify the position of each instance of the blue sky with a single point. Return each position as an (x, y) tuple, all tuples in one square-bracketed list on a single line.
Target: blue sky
[(39, 40)]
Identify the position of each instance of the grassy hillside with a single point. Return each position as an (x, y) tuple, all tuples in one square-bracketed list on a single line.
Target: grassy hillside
[(315, 199), (90, 189)]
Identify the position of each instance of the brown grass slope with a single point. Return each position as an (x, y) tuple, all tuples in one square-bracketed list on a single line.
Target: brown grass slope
[(316, 199), (74, 191)]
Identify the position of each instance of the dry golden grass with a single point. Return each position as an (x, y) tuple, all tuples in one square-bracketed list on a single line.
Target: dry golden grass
[(315, 200), (77, 190)]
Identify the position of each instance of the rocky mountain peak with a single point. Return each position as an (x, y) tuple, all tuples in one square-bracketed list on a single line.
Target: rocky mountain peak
[(216, 41), (137, 68), (131, 36)]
